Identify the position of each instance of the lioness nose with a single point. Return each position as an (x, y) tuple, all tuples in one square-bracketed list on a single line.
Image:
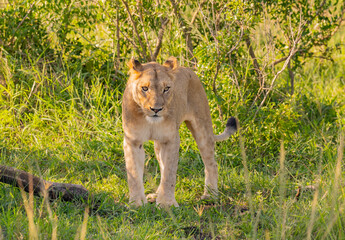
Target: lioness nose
[(156, 110)]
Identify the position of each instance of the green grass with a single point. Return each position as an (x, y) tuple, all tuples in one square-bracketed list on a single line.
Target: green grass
[(65, 126), (78, 139)]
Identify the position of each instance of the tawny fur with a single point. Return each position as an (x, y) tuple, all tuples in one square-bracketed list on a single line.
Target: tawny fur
[(157, 99)]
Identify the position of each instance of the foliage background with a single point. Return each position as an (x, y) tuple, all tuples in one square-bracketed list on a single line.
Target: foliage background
[(278, 66)]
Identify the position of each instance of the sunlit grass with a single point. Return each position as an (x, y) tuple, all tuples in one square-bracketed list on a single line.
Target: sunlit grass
[(66, 127), (70, 141)]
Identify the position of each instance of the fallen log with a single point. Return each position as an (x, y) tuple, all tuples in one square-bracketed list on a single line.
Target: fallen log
[(29, 182)]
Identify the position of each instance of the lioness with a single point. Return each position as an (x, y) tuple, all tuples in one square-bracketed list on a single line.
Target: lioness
[(157, 99)]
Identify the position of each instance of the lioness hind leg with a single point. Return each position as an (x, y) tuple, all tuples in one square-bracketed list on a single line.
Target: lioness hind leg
[(135, 158), (204, 138)]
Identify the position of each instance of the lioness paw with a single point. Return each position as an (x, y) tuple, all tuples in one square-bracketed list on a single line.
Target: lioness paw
[(209, 198), (152, 197), (166, 203), (137, 202)]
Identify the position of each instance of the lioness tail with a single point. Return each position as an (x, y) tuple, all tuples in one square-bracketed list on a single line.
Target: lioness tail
[(231, 128)]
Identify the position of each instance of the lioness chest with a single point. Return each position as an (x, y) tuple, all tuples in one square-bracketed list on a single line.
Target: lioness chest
[(157, 131)]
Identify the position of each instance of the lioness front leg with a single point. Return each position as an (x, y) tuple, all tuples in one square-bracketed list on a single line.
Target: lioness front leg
[(168, 157), (153, 196), (135, 158)]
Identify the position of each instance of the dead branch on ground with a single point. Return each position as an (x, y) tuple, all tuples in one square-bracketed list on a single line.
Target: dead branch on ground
[(38, 186)]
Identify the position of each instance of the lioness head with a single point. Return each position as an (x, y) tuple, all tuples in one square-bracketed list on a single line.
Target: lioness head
[(152, 87)]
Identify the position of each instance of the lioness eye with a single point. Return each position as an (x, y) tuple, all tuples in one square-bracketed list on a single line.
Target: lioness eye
[(144, 88), (166, 89)]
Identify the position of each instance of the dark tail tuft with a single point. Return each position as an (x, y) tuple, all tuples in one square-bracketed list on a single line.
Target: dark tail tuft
[(231, 127), (231, 123)]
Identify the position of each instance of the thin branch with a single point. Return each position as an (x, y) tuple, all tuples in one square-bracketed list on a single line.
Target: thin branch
[(278, 61), (196, 12), (340, 20), (27, 14), (255, 61), (135, 30), (214, 88), (130, 40), (214, 35), (306, 23), (164, 22), (323, 57), (231, 64), (118, 30), (235, 75), (292, 78), (291, 54), (117, 65), (117, 25), (186, 32), (335, 30), (143, 26), (256, 68), (293, 50), (236, 44)]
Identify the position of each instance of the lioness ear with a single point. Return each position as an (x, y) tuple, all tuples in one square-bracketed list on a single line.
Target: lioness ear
[(135, 65), (171, 63)]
